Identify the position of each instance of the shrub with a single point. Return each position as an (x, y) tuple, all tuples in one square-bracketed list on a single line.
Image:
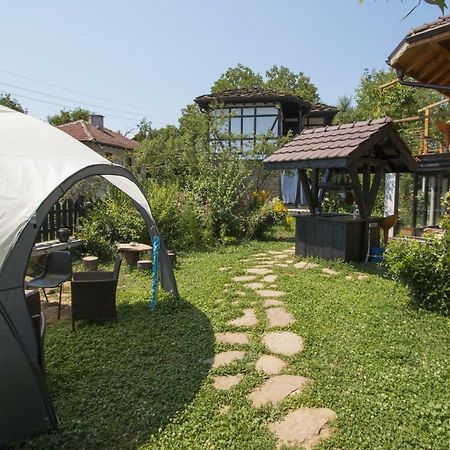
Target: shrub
[(115, 219), (424, 267), (265, 216)]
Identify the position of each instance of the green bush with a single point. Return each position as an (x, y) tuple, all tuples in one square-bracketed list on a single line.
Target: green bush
[(115, 219), (424, 267), (265, 216)]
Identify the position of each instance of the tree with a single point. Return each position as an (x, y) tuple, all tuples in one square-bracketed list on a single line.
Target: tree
[(347, 112), (282, 79), (145, 130), (279, 79), (237, 78), (440, 3), (9, 102), (66, 116)]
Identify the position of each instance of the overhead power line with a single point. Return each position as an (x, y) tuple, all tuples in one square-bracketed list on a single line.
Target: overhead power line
[(62, 105), (84, 94)]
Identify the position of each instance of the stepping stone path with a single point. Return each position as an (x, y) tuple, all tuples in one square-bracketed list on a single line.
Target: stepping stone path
[(272, 302), (249, 319), (279, 317), (227, 382), (244, 278), (224, 358), (259, 270), (330, 271), (305, 265), (269, 278), (270, 294), (304, 427), (270, 365), (276, 389), (232, 338), (283, 343), (254, 285)]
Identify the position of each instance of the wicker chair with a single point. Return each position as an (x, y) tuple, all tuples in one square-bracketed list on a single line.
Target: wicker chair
[(94, 294)]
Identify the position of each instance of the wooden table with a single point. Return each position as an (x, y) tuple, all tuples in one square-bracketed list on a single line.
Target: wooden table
[(42, 248), (131, 252)]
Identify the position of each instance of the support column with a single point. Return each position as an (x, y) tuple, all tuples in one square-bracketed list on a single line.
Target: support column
[(391, 196)]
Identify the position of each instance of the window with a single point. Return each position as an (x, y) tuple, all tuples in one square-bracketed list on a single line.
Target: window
[(244, 125)]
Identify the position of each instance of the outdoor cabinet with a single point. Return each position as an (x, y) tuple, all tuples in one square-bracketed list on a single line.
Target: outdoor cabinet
[(333, 237)]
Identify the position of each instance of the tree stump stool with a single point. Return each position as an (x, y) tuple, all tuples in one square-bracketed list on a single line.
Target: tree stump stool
[(90, 262), (144, 265)]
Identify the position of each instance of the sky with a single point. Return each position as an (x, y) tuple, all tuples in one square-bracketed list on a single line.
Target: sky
[(150, 58)]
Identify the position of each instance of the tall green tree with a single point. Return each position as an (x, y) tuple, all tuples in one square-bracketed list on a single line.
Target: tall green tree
[(282, 79), (347, 112), (9, 102), (236, 78), (66, 116), (277, 78)]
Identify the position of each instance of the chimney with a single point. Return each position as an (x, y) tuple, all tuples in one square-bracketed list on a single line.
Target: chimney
[(97, 120)]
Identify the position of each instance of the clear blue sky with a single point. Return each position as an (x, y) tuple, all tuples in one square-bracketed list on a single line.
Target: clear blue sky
[(158, 55)]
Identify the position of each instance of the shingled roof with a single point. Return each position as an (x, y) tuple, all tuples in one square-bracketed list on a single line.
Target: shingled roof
[(424, 54), (340, 146), (84, 131), (247, 95)]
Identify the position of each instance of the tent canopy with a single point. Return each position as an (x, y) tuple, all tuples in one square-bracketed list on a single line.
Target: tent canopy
[(38, 164)]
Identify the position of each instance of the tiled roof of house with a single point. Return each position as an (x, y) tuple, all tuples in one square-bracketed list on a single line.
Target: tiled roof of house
[(246, 95), (442, 21), (338, 142), (323, 108), (86, 132)]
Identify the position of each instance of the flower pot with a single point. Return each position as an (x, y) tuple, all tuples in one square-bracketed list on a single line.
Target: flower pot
[(63, 234)]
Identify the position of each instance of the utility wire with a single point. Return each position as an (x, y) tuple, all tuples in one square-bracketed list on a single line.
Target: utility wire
[(77, 92), (70, 90), (63, 106)]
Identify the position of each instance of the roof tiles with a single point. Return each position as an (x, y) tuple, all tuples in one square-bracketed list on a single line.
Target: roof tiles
[(86, 132)]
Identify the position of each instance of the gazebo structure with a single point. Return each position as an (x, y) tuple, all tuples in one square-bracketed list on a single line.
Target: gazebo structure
[(38, 164), (364, 152)]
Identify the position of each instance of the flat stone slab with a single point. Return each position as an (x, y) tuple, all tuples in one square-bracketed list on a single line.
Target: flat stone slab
[(259, 270), (227, 382), (270, 365), (304, 427), (283, 342), (224, 269), (282, 256), (244, 278), (282, 265), (258, 255), (274, 252), (272, 302), (240, 293), (305, 265), (268, 293), (330, 271), (276, 389), (279, 317), (254, 285), (249, 319), (269, 278), (232, 338), (224, 358)]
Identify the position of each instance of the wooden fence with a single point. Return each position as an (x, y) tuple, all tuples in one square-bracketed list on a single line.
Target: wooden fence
[(65, 214)]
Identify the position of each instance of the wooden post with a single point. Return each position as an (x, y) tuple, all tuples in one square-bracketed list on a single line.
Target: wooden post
[(426, 131), (307, 189), (90, 262), (144, 265)]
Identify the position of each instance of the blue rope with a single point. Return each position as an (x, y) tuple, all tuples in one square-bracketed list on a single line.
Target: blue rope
[(156, 244)]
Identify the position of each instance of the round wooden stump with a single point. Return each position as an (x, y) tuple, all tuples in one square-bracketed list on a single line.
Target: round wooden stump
[(144, 265), (90, 262)]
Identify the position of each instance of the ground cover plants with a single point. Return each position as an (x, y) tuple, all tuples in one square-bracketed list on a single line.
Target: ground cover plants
[(382, 366)]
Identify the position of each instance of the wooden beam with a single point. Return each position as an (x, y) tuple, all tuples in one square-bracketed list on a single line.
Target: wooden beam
[(323, 186), (315, 187), (372, 197), (307, 189), (360, 200)]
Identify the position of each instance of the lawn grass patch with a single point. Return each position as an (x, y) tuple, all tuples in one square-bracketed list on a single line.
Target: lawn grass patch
[(380, 365)]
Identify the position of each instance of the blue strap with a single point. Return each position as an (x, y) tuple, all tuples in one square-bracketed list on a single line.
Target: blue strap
[(156, 244)]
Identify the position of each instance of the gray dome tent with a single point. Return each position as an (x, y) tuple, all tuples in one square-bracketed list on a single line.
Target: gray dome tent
[(38, 164)]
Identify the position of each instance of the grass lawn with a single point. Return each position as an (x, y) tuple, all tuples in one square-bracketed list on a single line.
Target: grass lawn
[(383, 367)]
